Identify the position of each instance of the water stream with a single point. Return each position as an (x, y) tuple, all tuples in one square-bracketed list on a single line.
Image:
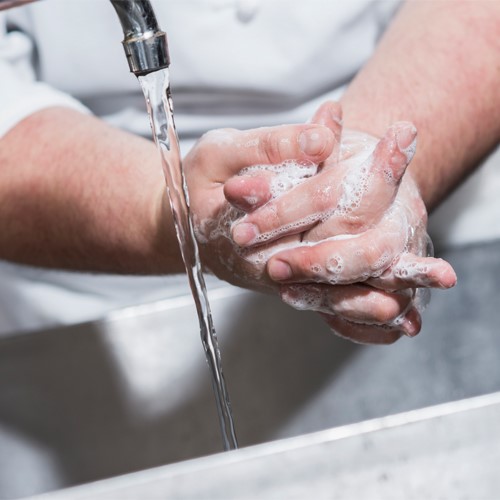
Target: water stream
[(157, 93)]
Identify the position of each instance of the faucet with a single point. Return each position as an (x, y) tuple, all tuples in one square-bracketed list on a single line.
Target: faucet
[(145, 44)]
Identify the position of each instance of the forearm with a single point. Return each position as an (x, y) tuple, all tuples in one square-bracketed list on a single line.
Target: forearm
[(437, 66), (78, 194)]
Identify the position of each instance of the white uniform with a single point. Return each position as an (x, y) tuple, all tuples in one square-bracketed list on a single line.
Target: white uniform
[(239, 63)]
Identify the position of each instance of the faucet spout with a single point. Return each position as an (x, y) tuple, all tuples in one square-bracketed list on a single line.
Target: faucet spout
[(144, 42)]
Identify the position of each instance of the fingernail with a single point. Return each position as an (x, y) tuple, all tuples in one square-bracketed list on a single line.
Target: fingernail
[(405, 136), (412, 323), (312, 142), (244, 233), (279, 270)]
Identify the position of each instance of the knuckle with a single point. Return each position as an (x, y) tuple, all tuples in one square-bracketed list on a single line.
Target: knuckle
[(308, 264), (274, 147)]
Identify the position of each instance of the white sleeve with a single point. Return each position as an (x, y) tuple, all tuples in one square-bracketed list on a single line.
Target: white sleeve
[(20, 93)]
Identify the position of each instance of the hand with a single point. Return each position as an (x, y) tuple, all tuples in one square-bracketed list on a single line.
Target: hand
[(222, 154), (372, 227)]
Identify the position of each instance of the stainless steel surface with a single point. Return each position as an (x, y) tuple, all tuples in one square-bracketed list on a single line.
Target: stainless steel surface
[(443, 452), (132, 392), (144, 43)]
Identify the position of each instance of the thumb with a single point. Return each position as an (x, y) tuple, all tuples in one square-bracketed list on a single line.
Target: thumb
[(232, 150)]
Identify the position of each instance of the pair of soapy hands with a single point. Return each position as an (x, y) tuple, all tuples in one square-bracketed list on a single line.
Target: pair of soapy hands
[(323, 216)]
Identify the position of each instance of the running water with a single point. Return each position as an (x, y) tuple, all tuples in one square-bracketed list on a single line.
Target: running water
[(157, 93)]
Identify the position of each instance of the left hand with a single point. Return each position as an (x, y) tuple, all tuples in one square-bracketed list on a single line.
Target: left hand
[(222, 154)]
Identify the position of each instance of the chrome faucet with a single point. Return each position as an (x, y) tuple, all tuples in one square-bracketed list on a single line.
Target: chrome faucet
[(144, 42)]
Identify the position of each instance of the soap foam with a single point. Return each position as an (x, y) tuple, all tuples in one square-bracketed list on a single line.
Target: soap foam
[(288, 174), (303, 298), (356, 151)]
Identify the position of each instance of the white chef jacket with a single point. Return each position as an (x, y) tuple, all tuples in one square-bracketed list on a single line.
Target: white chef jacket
[(235, 63)]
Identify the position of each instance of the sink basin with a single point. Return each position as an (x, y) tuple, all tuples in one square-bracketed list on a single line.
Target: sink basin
[(132, 391), (445, 451)]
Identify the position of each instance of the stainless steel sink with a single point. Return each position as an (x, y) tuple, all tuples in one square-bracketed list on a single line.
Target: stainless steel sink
[(132, 391), (442, 452)]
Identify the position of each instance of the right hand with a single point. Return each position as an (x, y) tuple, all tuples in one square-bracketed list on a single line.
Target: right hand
[(359, 193)]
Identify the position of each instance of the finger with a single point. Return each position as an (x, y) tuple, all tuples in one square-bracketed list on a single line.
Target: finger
[(238, 191), (350, 205), (291, 213), (369, 188), (249, 192), (257, 184), (410, 326), (231, 150), (357, 303), (338, 261), (362, 334), (364, 258), (329, 114), (413, 271)]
